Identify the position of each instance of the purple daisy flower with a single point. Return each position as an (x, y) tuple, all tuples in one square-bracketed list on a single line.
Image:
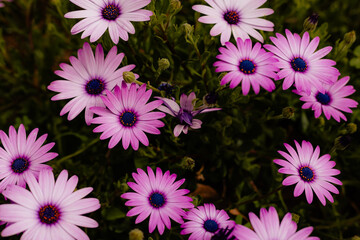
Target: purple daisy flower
[(309, 171), (87, 79), (2, 2), (115, 15), (157, 195), (299, 62), (49, 210), (247, 65), (22, 156), (269, 227), (205, 221), (240, 18), (185, 112), (128, 116), (332, 101)]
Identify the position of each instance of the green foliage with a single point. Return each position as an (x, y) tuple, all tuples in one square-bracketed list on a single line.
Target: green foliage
[(234, 149)]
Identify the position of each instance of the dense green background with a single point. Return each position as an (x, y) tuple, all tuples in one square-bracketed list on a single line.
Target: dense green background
[(234, 148)]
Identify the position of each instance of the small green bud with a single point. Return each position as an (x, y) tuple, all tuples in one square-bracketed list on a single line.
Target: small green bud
[(175, 5), (288, 112), (163, 64), (311, 22), (188, 163), (350, 37), (295, 217), (189, 29), (136, 234), (129, 77), (227, 121), (351, 128)]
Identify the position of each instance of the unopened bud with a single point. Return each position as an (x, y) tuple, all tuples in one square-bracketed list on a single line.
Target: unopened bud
[(295, 217), (175, 5), (163, 64), (350, 37), (188, 163), (351, 128), (227, 120), (288, 112), (136, 234), (129, 77), (189, 29), (311, 22)]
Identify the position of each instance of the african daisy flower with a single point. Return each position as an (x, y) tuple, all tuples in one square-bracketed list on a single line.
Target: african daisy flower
[(300, 63), (128, 116), (247, 65), (22, 156), (332, 101), (239, 18), (268, 227), (157, 195), (50, 210), (87, 79), (185, 112), (205, 221), (309, 172), (115, 15)]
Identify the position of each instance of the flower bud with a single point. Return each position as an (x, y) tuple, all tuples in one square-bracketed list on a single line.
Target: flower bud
[(288, 112), (351, 128), (189, 29), (175, 5), (295, 217), (163, 64), (350, 37), (136, 234), (188, 163), (129, 77), (227, 120), (311, 22)]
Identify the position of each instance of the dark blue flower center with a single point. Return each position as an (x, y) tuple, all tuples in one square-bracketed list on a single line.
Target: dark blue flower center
[(306, 174), (167, 88), (95, 87), (186, 117), (211, 226), (111, 12), (127, 119), (232, 17), (157, 200), (49, 214), (247, 66), (20, 165), (324, 99), (298, 64)]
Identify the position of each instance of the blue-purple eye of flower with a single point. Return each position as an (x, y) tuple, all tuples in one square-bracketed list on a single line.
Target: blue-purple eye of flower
[(232, 17), (306, 174), (111, 12), (127, 119), (211, 226), (247, 66), (186, 117), (95, 87), (157, 200), (298, 64), (322, 98), (49, 214), (20, 165)]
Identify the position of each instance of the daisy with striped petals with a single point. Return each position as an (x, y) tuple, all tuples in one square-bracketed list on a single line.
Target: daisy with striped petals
[(128, 116), (269, 227), (205, 221), (115, 15), (309, 172), (237, 18), (51, 210), (332, 101), (250, 66), (87, 79), (157, 195), (300, 63), (22, 156)]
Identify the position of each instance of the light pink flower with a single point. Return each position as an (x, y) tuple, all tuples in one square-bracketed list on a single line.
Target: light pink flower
[(332, 101), (128, 116), (185, 112), (250, 66), (22, 156), (50, 210), (157, 195), (115, 15), (236, 17), (309, 172), (87, 79)]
